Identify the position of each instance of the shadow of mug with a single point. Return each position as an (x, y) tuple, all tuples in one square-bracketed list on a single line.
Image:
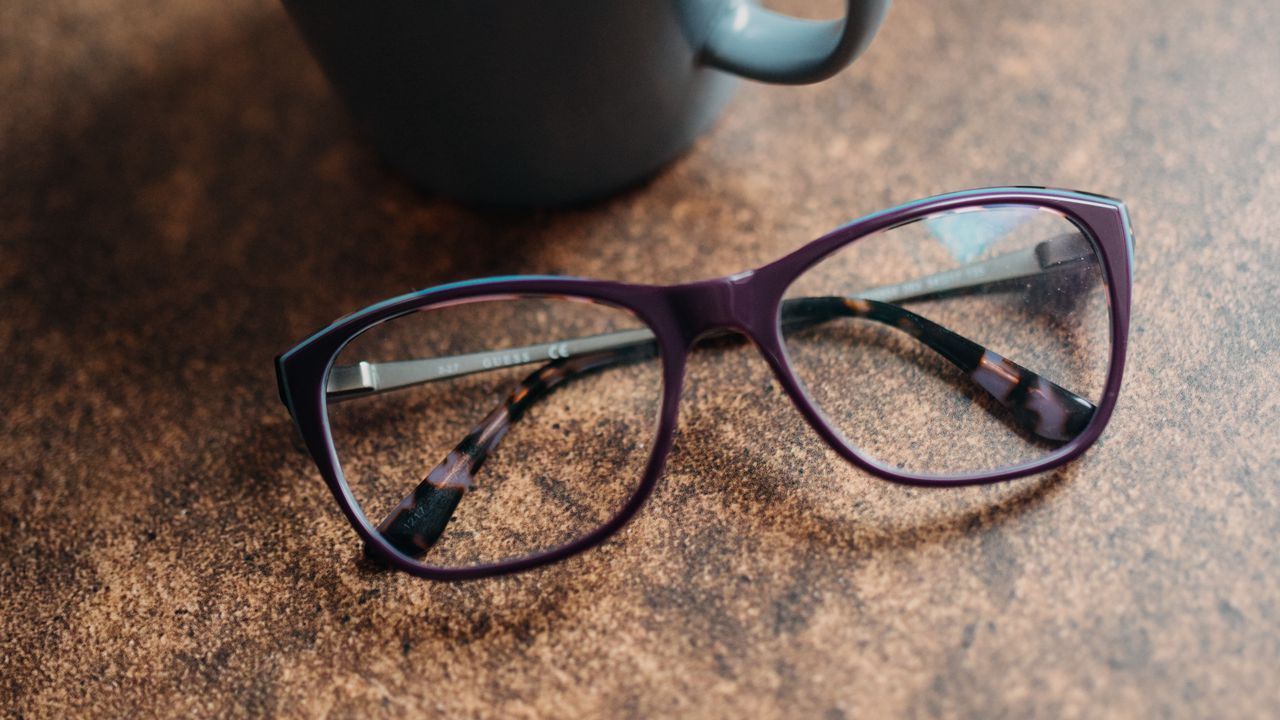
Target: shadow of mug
[(519, 103)]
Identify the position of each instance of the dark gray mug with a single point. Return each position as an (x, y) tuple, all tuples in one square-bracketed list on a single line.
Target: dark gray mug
[(548, 102)]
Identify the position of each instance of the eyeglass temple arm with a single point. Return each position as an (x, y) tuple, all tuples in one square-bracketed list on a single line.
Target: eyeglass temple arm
[(415, 525), (1036, 403), (1059, 253), (365, 378)]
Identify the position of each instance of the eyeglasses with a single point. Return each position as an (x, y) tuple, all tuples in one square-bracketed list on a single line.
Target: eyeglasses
[(967, 338)]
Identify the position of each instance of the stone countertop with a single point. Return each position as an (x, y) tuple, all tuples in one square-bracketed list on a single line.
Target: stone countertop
[(182, 197)]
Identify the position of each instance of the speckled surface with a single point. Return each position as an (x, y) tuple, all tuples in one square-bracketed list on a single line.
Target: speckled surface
[(181, 197)]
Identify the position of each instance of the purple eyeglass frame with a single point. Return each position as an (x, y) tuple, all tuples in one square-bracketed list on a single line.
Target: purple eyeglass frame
[(748, 302)]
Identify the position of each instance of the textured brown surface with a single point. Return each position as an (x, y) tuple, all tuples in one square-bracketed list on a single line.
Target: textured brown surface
[(181, 198)]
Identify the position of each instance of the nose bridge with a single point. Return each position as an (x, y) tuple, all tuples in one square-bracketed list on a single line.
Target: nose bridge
[(723, 303)]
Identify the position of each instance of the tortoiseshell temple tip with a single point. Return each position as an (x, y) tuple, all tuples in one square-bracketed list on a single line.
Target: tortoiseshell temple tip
[(1044, 408), (419, 520), (1037, 404), (417, 523)]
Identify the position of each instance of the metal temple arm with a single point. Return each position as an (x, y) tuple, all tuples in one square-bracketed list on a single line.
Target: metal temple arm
[(1060, 253), (364, 378)]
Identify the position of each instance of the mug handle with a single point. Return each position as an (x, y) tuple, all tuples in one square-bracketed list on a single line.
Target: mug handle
[(760, 44)]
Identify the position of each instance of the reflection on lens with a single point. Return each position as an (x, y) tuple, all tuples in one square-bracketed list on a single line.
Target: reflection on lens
[(965, 342), (497, 428)]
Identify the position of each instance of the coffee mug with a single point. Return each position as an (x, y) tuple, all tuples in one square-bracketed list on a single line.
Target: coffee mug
[(552, 102)]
